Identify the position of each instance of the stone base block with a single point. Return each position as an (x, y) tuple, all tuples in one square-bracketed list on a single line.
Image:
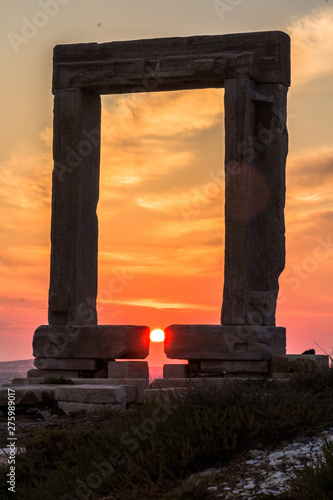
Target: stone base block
[(96, 394), (72, 408), (175, 371), (128, 369), (65, 364), (52, 373), (31, 395), (215, 366), (298, 363), (205, 385), (221, 342), (169, 383), (91, 342), (141, 384)]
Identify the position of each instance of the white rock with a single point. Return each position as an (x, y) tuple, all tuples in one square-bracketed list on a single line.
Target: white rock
[(291, 453), (275, 456)]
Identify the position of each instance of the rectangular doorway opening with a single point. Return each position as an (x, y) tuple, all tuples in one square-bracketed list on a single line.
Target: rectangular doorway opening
[(161, 208)]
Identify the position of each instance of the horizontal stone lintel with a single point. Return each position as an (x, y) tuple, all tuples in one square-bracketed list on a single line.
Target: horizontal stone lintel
[(222, 342), (91, 342), (103, 67), (173, 73)]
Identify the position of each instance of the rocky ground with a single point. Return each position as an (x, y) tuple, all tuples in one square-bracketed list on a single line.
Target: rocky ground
[(32, 419), (261, 470)]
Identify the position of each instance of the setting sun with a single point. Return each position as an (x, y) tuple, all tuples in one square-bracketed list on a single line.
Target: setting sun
[(157, 335)]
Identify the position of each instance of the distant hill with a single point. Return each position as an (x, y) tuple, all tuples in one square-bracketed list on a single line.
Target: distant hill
[(14, 369), (16, 365)]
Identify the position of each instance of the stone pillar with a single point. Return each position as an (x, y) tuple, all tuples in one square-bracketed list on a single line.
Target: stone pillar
[(256, 145), (73, 339), (75, 191)]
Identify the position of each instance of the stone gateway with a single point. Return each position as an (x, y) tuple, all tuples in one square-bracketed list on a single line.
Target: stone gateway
[(254, 70)]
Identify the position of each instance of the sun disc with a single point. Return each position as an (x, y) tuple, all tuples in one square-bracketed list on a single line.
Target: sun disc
[(157, 335)]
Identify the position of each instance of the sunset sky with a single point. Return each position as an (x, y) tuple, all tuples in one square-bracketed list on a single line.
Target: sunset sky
[(162, 198)]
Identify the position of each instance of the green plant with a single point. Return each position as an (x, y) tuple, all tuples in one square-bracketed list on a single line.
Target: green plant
[(142, 454), (315, 482)]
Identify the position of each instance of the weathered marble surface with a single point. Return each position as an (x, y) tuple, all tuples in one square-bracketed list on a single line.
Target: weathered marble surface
[(92, 341), (204, 342), (256, 146), (165, 64)]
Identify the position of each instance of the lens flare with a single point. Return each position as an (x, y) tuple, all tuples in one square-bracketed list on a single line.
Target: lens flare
[(157, 335)]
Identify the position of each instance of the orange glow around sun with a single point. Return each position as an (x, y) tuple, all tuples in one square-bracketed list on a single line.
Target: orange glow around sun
[(157, 335)]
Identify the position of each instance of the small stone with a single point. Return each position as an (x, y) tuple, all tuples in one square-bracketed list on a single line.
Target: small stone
[(291, 453), (254, 453), (45, 414), (275, 455), (29, 411), (209, 471), (249, 486)]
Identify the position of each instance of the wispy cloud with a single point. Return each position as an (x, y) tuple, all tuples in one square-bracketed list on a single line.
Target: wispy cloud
[(158, 304), (309, 180), (312, 46), (149, 136)]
